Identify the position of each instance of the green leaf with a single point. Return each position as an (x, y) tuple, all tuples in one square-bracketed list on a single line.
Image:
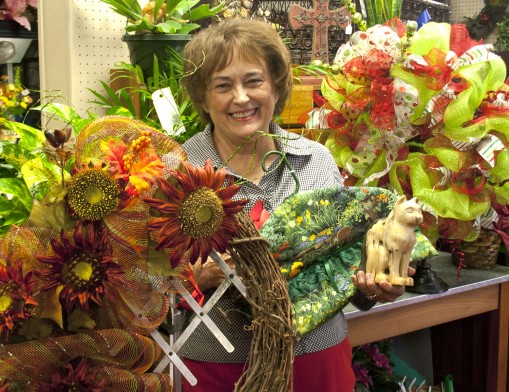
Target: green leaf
[(188, 27), (52, 215), (15, 155), (142, 24), (29, 137), (156, 72), (110, 97), (12, 212), (6, 169), (157, 6), (201, 12), (129, 8), (16, 188), (80, 123), (51, 307), (158, 263), (39, 170), (119, 111), (169, 27), (62, 111), (79, 320), (172, 5), (36, 328), (15, 217)]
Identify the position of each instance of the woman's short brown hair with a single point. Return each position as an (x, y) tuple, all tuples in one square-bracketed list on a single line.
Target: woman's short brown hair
[(213, 49)]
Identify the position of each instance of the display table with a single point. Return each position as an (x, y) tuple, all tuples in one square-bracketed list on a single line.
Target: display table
[(478, 291)]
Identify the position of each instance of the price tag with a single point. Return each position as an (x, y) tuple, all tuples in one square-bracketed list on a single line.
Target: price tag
[(168, 112), (348, 29)]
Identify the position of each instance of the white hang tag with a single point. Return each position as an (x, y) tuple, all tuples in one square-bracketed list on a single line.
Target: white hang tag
[(168, 112), (348, 29)]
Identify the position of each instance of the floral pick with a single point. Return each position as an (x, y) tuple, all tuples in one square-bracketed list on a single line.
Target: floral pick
[(259, 214)]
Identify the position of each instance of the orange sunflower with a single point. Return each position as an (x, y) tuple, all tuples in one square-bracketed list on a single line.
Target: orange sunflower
[(84, 268), (199, 213), (16, 301)]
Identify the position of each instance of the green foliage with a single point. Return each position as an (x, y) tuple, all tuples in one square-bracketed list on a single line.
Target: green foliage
[(27, 168), (166, 16), (15, 196), (502, 43), (122, 102), (493, 12), (380, 11), (54, 110)]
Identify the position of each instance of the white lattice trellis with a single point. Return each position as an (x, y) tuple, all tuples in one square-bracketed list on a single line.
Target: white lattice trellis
[(177, 340)]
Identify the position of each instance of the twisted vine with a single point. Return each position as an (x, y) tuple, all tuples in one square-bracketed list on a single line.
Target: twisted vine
[(273, 345)]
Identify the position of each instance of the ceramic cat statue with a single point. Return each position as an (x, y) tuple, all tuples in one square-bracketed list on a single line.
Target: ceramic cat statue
[(389, 243)]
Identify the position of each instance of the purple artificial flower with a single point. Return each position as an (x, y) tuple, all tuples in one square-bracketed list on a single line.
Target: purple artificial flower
[(362, 374)]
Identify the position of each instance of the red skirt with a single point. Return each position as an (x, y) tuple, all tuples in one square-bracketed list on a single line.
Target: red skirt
[(329, 370)]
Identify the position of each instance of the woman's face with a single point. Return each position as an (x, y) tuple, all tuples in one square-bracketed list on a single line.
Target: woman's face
[(240, 100)]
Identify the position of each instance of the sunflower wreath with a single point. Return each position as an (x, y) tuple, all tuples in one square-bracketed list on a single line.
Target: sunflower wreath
[(77, 298)]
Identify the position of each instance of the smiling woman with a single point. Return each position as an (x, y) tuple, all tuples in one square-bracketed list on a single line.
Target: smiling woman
[(244, 90), (246, 70)]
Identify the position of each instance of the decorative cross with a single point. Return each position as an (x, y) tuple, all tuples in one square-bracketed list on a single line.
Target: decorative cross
[(320, 17)]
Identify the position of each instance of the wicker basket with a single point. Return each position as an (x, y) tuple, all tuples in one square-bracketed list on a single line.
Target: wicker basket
[(481, 253)]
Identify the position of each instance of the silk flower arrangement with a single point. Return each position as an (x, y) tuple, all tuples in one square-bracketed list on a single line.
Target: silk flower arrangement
[(77, 279), (425, 115)]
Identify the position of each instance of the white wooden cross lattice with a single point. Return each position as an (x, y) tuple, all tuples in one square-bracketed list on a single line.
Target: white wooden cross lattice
[(177, 340)]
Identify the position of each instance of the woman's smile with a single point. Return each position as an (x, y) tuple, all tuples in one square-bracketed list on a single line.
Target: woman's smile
[(244, 115)]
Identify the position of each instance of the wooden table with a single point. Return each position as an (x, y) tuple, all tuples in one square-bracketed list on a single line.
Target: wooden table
[(478, 291)]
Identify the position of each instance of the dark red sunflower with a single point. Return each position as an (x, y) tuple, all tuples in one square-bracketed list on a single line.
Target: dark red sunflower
[(84, 267), (75, 379), (16, 301), (199, 213)]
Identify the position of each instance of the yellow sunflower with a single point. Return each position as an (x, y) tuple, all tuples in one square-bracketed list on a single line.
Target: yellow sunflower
[(198, 213), (93, 194)]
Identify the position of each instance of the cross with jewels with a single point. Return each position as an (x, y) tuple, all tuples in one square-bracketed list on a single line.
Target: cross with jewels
[(320, 17)]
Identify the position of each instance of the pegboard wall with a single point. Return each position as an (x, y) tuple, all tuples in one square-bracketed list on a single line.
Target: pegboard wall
[(90, 35), (97, 45), (465, 9)]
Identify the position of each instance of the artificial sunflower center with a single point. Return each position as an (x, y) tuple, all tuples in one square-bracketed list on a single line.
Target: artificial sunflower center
[(201, 213), (83, 270), (5, 303), (93, 194)]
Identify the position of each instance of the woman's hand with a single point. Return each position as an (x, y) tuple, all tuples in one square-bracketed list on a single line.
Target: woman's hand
[(383, 292), (209, 275)]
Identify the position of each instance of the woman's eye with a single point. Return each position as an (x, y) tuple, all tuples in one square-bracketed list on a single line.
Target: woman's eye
[(254, 82), (222, 87)]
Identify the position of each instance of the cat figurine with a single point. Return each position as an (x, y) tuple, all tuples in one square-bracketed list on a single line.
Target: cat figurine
[(389, 243)]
